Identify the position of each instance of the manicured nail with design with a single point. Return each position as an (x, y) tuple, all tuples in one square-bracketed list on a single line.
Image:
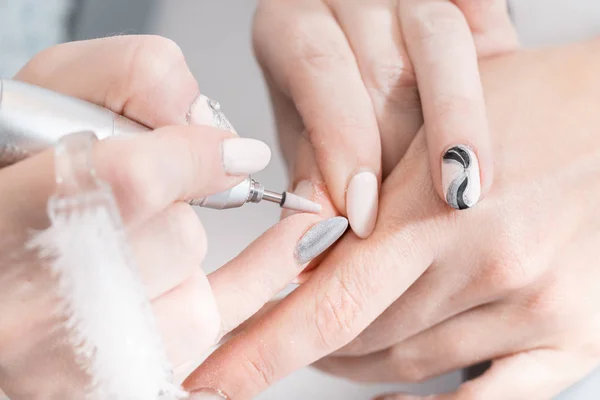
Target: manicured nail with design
[(208, 394), (319, 238), (205, 111), (460, 177), (243, 156), (362, 202)]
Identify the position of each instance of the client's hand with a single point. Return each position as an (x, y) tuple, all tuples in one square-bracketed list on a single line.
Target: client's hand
[(348, 80), (514, 280), (152, 176)]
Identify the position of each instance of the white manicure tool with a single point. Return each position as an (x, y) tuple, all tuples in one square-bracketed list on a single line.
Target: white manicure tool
[(33, 118)]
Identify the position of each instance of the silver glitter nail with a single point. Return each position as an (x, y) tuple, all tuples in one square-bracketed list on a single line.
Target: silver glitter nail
[(319, 238)]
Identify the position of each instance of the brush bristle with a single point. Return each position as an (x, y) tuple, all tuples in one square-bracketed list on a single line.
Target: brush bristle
[(110, 322), (297, 203)]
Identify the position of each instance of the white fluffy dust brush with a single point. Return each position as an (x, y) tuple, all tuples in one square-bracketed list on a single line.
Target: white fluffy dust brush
[(109, 319)]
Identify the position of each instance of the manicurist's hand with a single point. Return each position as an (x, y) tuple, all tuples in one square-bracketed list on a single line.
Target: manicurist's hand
[(514, 280), (348, 78), (152, 176)]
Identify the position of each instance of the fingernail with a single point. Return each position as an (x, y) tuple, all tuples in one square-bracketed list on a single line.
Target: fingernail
[(303, 189), (362, 201), (460, 177), (208, 394), (205, 111), (242, 156), (319, 238)]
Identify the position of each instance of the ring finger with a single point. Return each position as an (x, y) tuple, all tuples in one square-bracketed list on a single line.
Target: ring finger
[(478, 335)]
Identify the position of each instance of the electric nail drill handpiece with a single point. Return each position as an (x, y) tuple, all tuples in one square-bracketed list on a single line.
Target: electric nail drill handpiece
[(33, 119)]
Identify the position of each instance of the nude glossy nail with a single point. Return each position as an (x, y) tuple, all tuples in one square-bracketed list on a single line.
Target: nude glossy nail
[(362, 202), (319, 238), (208, 394), (243, 156), (461, 180)]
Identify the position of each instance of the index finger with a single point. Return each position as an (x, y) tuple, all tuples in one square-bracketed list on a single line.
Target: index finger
[(321, 316), (147, 173), (353, 285)]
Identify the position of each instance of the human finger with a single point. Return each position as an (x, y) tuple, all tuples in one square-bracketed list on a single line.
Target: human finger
[(441, 48), (245, 284), (144, 77), (491, 25), (533, 374), (374, 33), (147, 173), (168, 248), (337, 113), (340, 299)]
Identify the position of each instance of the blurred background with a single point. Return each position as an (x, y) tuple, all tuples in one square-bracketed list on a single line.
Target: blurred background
[(215, 37)]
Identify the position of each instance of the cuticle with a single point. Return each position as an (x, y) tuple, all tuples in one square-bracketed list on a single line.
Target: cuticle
[(468, 146)]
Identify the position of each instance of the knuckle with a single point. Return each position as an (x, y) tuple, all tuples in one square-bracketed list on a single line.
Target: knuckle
[(318, 57), (432, 20), (548, 308), (336, 316), (133, 181), (408, 368), (259, 367), (398, 81), (155, 51), (509, 267), (305, 44), (506, 274), (310, 51), (449, 106), (150, 59), (361, 129)]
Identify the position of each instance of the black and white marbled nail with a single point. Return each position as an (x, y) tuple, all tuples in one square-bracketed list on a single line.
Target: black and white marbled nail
[(319, 238), (461, 180)]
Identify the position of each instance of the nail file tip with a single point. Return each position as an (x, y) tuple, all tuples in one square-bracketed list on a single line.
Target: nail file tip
[(294, 202)]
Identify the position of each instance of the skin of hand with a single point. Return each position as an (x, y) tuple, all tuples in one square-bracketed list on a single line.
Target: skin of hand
[(514, 280), (348, 78), (152, 176)]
